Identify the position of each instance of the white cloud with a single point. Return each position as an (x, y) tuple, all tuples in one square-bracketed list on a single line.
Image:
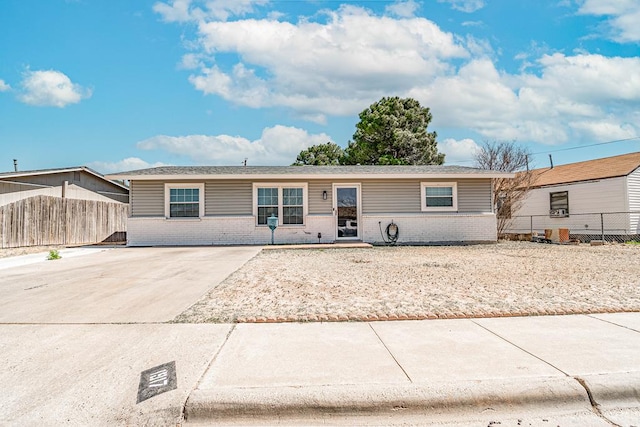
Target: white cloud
[(551, 108), (467, 6), (130, 163), (336, 67), (473, 24), (191, 61), (199, 10), (340, 61), (623, 17), (462, 151), (50, 88), (278, 145), (403, 8), (175, 11), (4, 86), (605, 129)]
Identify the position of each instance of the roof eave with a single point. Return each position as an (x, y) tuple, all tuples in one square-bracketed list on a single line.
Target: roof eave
[(343, 176), (64, 170), (577, 181)]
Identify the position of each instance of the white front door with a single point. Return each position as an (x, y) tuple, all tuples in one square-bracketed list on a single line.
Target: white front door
[(346, 209)]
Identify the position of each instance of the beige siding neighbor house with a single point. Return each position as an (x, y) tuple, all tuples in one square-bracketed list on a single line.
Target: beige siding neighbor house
[(591, 198), (228, 205), (79, 182)]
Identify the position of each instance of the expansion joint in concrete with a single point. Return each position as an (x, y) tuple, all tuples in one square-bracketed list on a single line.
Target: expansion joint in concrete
[(520, 348), (595, 407), (613, 323), (213, 359), (390, 353)]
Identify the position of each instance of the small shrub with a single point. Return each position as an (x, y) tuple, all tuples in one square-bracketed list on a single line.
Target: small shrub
[(54, 254)]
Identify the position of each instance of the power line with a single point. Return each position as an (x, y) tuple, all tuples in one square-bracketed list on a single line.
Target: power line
[(568, 148), (585, 146)]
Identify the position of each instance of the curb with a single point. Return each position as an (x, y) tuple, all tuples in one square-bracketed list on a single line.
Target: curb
[(619, 390), (228, 403), (374, 317)]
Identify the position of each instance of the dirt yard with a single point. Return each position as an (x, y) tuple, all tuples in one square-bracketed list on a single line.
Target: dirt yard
[(504, 279)]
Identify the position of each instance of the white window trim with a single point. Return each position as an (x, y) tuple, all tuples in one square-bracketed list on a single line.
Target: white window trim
[(280, 186), (423, 194), (169, 185)]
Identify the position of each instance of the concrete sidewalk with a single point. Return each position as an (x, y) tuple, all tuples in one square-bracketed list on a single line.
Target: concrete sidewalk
[(20, 260), (573, 370)]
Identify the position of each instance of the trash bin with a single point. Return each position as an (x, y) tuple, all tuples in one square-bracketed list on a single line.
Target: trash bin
[(563, 235)]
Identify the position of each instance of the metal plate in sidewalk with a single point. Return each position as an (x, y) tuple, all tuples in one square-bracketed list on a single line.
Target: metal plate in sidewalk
[(157, 380)]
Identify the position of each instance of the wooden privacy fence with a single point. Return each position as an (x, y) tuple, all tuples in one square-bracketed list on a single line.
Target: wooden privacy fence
[(46, 220)]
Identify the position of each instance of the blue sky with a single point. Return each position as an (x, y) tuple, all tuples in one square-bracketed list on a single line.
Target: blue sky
[(119, 85)]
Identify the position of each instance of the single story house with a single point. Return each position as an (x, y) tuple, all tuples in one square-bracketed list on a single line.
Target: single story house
[(78, 182), (226, 205), (595, 197)]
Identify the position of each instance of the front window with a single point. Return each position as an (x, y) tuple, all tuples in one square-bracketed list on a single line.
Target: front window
[(441, 196), (267, 204), (292, 206), (559, 204), (286, 201), (184, 200)]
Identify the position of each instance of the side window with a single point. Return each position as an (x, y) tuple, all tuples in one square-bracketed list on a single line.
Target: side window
[(184, 200), (439, 196), (559, 204)]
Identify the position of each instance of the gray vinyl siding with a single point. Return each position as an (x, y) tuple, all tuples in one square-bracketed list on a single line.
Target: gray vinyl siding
[(228, 197), (403, 196), (391, 196), (378, 196), (317, 205), (474, 195), (147, 198)]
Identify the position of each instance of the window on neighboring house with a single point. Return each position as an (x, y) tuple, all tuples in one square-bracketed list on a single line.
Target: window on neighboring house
[(440, 196), (504, 206), (286, 201), (184, 200), (559, 204)]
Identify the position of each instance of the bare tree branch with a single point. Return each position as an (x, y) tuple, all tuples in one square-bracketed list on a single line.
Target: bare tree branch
[(508, 194)]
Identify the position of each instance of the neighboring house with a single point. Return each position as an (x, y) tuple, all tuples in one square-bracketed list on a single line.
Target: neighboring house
[(73, 183), (231, 205), (594, 197)]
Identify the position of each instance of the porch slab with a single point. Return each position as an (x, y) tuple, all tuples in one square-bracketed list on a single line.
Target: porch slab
[(340, 245)]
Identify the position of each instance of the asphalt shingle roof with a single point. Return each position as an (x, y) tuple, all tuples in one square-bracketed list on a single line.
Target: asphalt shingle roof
[(608, 167), (301, 170)]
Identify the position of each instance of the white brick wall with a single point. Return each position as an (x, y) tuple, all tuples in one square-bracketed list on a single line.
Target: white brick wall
[(418, 228), (223, 231), (428, 228)]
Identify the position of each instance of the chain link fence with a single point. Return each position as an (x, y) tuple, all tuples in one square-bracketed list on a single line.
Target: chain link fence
[(584, 227)]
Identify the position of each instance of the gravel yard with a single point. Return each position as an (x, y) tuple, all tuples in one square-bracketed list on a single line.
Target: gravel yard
[(504, 279)]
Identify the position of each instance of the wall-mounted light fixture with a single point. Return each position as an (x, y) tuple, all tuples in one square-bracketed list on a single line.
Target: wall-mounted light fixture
[(324, 195)]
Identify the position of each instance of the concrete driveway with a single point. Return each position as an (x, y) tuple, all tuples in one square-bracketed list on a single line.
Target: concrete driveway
[(121, 285)]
